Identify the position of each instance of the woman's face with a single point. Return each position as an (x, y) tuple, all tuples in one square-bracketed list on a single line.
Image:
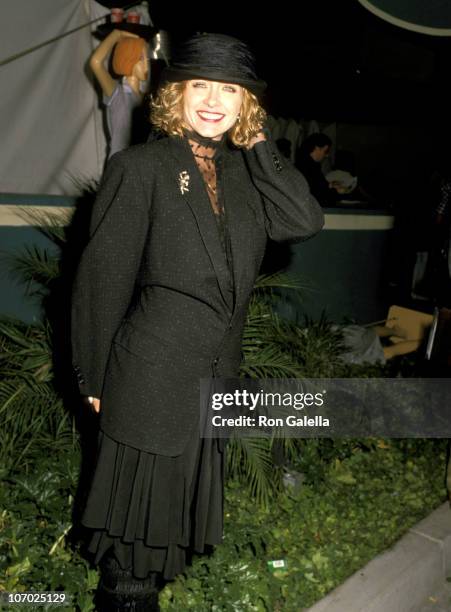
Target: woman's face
[(211, 108)]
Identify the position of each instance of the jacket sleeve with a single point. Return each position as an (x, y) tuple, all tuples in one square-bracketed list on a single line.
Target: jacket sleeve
[(291, 211), (105, 279)]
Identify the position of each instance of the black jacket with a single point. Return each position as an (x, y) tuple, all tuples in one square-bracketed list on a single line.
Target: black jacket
[(151, 313)]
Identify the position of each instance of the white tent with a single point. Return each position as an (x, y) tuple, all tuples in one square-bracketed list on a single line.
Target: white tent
[(50, 120)]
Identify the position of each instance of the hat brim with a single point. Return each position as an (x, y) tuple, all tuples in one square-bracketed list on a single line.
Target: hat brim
[(174, 74)]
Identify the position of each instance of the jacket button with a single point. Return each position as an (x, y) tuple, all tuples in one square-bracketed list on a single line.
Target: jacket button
[(277, 163), (215, 361)]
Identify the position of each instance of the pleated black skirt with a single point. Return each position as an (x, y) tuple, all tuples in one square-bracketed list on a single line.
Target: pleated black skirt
[(152, 510)]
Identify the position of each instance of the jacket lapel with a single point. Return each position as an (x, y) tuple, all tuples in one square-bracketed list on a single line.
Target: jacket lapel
[(190, 185)]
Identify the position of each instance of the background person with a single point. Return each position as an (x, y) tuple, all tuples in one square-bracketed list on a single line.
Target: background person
[(313, 150)]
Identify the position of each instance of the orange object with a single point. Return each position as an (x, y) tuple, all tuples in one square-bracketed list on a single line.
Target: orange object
[(127, 53)]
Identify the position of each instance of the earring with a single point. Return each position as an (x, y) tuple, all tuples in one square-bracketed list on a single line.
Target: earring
[(238, 118)]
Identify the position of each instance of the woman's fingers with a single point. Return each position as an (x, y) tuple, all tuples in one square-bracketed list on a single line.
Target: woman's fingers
[(93, 402)]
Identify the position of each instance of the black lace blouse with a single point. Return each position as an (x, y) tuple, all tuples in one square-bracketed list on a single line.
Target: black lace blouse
[(208, 155)]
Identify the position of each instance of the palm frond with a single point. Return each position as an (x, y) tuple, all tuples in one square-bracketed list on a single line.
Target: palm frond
[(26, 351), (280, 280), (250, 460), (36, 267), (268, 362), (51, 224)]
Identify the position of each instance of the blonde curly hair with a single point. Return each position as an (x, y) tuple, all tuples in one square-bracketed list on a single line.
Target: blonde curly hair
[(167, 114)]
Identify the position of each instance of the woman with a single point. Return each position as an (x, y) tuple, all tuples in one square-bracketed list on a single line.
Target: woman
[(178, 233), (121, 97)]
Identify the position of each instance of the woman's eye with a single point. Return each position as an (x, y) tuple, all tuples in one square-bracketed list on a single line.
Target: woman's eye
[(229, 88), (198, 84)]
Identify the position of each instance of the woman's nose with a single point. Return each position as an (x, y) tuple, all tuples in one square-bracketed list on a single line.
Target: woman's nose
[(212, 96)]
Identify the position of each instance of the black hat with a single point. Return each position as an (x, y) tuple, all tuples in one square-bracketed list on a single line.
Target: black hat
[(215, 57)]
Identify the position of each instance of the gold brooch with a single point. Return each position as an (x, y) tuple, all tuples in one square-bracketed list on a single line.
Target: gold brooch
[(183, 181)]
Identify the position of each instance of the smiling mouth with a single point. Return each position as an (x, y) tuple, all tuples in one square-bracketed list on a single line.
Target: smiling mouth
[(210, 117)]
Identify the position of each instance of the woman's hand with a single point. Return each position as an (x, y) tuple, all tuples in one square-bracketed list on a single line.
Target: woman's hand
[(260, 137), (94, 403)]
